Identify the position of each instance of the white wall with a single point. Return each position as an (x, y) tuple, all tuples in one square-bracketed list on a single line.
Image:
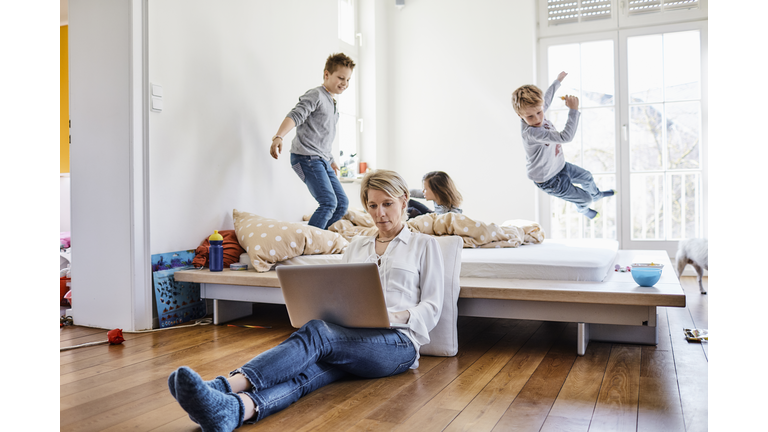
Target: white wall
[(443, 72), (64, 204), (230, 72), (110, 279), (454, 66)]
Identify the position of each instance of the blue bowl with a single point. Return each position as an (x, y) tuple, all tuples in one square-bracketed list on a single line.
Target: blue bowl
[(646, 276)]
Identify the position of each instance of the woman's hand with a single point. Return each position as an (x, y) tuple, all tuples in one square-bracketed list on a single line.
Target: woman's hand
[(401, 317)]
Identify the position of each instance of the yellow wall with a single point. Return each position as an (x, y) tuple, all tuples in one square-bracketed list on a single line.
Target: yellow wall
[(64, 59)]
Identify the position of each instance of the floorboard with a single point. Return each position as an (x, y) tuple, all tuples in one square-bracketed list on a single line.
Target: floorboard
[(508, 375)]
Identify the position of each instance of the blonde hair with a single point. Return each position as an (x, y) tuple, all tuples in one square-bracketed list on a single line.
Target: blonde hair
[(526, 96), (386, 181), (443, 188)]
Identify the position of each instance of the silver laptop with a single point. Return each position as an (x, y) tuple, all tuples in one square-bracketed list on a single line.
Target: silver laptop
[(349, 295)]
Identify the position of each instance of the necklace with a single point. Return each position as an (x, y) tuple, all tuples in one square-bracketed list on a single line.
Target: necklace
[(384, 241)]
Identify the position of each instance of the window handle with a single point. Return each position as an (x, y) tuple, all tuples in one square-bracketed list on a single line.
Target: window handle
[(624, 132), (360, 122), (359, 37)]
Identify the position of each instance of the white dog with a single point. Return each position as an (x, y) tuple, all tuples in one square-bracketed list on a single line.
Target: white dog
[(696, 253)]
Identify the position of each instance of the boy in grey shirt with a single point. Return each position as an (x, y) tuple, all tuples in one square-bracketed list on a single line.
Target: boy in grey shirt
[(545, 161), (315, 118)]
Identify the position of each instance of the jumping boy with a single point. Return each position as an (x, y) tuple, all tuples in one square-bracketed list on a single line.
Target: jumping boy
[(545, 161), (315, 118)]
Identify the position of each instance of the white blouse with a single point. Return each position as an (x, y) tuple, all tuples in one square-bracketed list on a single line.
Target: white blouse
[(412, 276)]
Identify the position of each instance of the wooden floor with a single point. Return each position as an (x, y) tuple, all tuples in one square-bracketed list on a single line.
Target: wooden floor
[(508, 375)]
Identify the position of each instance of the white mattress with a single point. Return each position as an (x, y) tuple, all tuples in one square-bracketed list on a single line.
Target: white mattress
[(571, 260)]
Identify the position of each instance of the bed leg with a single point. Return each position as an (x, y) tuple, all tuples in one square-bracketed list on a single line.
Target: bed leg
[(582, 338), (224, 310)]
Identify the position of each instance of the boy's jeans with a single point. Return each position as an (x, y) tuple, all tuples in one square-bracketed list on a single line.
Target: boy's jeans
[(318, 354), (324, 186), (561, 186)]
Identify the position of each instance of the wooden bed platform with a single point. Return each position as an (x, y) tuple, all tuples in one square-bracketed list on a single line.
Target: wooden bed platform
[(614, 310)]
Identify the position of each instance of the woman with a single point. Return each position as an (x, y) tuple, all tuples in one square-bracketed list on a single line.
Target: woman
[(319, 353)]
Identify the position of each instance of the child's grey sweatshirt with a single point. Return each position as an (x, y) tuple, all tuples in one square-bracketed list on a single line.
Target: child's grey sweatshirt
[(315, 116), (543, 150)]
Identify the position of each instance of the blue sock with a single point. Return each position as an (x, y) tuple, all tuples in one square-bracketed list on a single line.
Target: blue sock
[(608, 193), (219, 383), (591, 214), (212, 410)]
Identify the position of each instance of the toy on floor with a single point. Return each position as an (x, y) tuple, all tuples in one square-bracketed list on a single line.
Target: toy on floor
[(697, 335)]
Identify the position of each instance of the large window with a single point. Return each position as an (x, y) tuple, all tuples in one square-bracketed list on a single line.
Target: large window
[(642, 131)]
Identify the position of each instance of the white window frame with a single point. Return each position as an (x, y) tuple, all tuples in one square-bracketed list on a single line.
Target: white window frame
[(625, 236), (657, 18), (586, 32), (620, 18), (599, 25)]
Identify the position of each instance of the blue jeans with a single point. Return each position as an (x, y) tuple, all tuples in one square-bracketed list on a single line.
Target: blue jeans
[(324, 186), (318, 354), (561, 186)]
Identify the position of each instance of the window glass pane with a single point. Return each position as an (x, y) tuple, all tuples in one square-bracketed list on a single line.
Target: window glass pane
[(605, 225), (645, 62), (564, 58), (348, 100), (568, 223), (597, 85), (684, 134), (685, 205), (682, 66), (347, 21), (347, 131), (598, 126), (590, 68), (647, 206), (645, 137)]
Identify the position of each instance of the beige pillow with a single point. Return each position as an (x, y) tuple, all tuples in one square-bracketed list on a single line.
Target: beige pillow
[(269, 241)]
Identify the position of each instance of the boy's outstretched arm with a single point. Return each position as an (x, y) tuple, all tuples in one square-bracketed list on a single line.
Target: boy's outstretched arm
[(562, 76), (277, 141), (544, 135)]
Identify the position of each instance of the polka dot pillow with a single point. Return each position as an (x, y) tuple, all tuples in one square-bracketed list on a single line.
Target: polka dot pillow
[(269, 241)]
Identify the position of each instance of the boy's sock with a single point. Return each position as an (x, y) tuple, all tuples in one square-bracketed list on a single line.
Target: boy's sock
[(592, 214), (605, 194), (212, 410), (219, 383)]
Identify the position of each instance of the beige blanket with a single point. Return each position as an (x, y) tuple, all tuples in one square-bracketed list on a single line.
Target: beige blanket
[(511, 233)]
